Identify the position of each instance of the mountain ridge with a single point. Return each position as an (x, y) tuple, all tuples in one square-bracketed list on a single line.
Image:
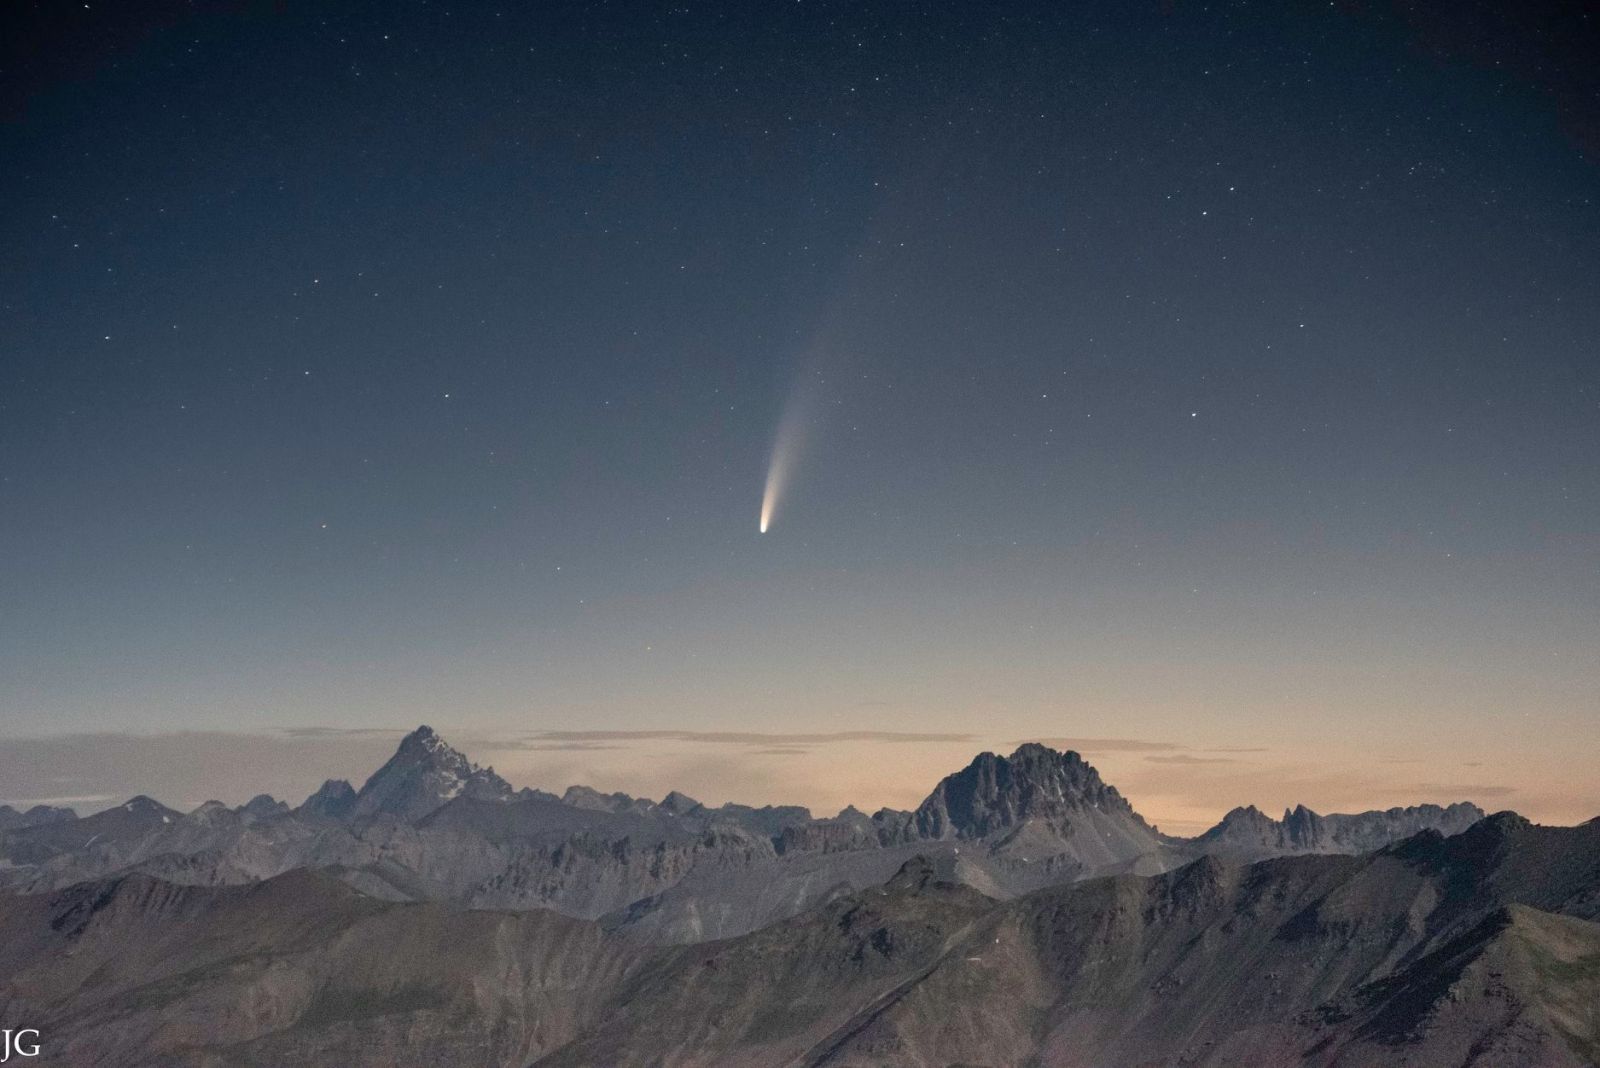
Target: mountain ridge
[(431, 825), (1481, 947)]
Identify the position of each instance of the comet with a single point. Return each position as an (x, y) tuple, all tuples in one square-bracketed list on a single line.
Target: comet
[(806, 407), (776, 471), (786, 445)]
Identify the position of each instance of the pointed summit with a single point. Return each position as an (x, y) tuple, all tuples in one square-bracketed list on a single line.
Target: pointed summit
[(424, 774), (333, 801)]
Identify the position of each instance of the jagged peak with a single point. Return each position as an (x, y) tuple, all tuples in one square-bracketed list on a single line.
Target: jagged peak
[(1035, 782), (424, 774), (424, 740), (1241, 819), (424, 745), (1245, 812), (1030, 750)]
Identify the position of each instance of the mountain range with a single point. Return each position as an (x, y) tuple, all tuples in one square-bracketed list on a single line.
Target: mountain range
[(1023, 914), (430, 825)]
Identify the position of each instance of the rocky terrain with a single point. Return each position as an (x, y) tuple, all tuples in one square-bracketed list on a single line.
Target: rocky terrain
[(1432, 952), (1249, 834), (1482, 948), (1023, 914), (11, 819), (430, 825)]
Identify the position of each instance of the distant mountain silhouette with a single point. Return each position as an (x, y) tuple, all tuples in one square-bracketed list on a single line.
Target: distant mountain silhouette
[(1249, 834), (11, 819), (432, 825)]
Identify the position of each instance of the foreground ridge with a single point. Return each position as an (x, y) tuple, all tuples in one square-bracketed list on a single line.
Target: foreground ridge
[(1432, 951)]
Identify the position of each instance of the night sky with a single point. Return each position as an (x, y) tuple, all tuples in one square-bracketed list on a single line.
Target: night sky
[(1215, 387)]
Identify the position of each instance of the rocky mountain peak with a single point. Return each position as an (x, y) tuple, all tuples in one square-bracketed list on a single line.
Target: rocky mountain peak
[(1496, 829), (914, 875), (333, 800), (143, 804), (995, 793), (1248, 833), (38, 815), (264, 806), (586, 797), (212, 813), (679, 804), (422, 743), (424, 774), (1245, 815)]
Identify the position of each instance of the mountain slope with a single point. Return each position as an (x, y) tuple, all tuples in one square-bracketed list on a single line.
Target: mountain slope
[(1212, 964), (760, 999), (1430, 953), (295, 970), (1522, 987)]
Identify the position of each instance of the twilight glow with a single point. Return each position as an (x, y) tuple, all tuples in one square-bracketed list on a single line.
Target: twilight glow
[(1213, 380)]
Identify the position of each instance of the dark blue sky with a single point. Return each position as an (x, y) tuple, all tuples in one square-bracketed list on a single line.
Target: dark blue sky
[(1217, 373)]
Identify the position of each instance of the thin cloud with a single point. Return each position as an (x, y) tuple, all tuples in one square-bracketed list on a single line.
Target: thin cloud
[(92, 770), (1466, 790), (82, 799), (744, 737), (1187, 759), (558, 747), (341, 732), (1105, 745)]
